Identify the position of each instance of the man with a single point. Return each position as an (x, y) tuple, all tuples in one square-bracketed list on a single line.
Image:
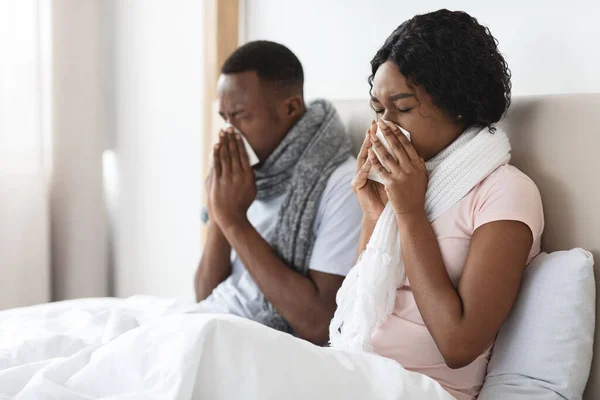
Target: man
[(281, 235)]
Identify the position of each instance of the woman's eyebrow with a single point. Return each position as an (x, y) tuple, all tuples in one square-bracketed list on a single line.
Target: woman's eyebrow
[(399, 96), (394, 97)]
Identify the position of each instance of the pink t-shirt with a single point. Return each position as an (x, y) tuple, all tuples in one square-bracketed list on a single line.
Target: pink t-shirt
[(507, 194)]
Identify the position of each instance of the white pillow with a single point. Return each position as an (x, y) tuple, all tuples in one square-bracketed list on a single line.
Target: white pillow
[(544, 348)]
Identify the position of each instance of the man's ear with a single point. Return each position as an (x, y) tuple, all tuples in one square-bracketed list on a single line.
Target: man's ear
[(294, 107)]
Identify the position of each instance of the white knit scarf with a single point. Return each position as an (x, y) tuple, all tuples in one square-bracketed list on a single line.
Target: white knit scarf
[(368, 294)]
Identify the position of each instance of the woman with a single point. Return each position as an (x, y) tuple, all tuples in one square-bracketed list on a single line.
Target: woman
[(440, 76)]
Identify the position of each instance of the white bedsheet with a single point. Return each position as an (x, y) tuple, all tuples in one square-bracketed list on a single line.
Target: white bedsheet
[(150, 348)]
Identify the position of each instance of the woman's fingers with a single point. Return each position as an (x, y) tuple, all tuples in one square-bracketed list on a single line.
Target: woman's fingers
[(408, 147), (387, 160), (360, 179), (394, 142), (362, 155), (361, 159), (377, 166), (373, 128)]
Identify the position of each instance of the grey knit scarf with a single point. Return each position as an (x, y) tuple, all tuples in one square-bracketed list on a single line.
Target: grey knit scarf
[(300, 167)]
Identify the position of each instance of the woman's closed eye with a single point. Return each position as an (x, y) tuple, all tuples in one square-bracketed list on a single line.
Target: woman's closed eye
[(382, 110)]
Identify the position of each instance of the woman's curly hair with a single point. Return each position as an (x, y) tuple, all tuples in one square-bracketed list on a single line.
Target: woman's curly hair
[(456, 60)]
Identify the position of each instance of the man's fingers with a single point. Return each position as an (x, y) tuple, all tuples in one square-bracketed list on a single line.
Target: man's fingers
[(217, 160), (244, 159), (236, 165), (209, 178), (224, 155)]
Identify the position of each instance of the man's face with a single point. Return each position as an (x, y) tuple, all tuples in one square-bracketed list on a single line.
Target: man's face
[(250, 106)]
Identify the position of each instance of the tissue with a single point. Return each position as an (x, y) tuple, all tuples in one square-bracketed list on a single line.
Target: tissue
[(252, 157)]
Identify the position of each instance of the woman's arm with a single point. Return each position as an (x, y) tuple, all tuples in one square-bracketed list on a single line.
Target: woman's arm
[(463, 322), (365, 235)]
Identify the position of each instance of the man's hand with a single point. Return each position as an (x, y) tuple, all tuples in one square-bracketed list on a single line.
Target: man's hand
[(232, 187)]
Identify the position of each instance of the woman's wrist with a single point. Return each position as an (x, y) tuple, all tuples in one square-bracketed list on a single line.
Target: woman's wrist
[(368, 223), (371, 215), (408, 220)]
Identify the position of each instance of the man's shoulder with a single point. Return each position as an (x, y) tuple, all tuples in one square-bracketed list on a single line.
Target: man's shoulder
[(338, 223), (341, 178), (338, 195)]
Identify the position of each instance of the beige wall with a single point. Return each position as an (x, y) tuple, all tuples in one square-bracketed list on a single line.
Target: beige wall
[(78, 218)]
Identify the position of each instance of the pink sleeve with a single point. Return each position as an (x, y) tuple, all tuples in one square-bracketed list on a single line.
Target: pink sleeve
[(511, 195)]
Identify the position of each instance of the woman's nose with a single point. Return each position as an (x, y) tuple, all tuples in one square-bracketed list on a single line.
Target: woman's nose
[(386, 115)]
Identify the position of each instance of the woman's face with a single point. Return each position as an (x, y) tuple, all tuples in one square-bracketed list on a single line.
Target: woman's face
[(393, 99)]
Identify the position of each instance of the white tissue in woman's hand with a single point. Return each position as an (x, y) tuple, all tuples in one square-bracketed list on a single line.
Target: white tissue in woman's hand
[(252, 157), (373, 175)]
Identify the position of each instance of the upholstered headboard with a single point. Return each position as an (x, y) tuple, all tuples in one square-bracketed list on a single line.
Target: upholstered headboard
[(555, 139)]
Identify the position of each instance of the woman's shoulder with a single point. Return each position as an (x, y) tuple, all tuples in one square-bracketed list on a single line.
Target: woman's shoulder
[(508, 193), (508, 175), (508, 181)]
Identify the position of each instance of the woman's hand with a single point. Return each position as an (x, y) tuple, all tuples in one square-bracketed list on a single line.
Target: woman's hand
[(405, 179), (371, 195)]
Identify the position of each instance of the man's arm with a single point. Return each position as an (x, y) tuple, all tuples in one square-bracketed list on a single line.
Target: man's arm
[(307, 303), (215, 264)]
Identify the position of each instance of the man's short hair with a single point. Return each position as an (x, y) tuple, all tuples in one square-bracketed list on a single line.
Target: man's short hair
[(273, 63)]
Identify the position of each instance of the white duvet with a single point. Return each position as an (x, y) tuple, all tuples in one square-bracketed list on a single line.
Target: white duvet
[(150, 348)]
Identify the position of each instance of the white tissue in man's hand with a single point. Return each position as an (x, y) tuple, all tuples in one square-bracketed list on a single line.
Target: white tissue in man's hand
[(373, 175), (252, 157)]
